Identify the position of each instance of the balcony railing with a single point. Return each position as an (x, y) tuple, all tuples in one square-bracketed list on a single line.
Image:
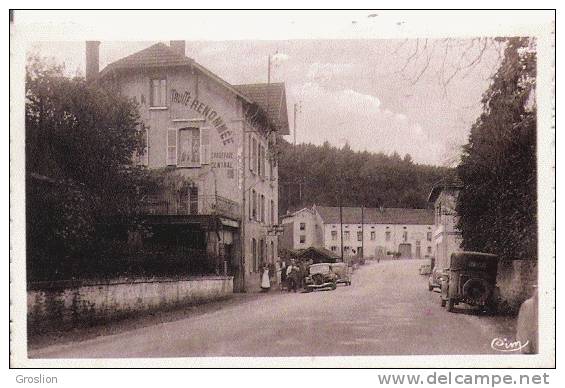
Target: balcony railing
[(167, 204)]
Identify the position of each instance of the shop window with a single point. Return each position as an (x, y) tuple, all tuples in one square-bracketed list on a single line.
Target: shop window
[(188, 147), (159, 92)]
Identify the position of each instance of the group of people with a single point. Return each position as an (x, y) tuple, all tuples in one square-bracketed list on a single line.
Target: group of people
[(289, 275)]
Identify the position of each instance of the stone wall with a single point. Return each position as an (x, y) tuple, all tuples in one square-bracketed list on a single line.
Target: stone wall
[(65, 305), (515, 280)]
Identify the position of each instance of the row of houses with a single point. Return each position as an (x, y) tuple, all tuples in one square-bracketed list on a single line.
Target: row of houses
[(376, 232), (218, 137)]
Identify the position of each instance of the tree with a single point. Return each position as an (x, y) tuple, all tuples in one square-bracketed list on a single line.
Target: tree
[(80, 140), (497, 206)]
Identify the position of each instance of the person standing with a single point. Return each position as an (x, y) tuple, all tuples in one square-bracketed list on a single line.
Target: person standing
[(265, 280)]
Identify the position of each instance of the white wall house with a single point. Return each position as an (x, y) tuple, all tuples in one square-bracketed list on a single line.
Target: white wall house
[(447, 238), (221, 137), (362, 232)]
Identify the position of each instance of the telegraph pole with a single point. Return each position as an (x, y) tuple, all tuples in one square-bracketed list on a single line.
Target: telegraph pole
[(362, 232)]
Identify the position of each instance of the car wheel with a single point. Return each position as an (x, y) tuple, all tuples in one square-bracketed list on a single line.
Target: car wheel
[(443, 302), (450, 304)]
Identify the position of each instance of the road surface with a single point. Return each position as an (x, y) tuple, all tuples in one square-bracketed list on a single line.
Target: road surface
[(387, 311)]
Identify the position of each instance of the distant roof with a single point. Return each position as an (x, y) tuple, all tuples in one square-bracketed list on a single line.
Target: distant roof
[(319, 252), (441, 186), (271, 98), (371, 215)]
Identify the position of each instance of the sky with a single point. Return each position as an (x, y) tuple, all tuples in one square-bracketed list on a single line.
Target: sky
[(375, 95)]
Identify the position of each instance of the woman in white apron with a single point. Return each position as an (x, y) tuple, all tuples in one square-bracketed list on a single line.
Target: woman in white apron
[(265, 281)]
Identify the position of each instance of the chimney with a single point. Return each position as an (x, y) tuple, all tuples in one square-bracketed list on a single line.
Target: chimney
[(179, 46), (92, 59)]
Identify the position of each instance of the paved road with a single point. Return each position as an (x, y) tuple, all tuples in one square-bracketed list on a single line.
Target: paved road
[(387, 311)]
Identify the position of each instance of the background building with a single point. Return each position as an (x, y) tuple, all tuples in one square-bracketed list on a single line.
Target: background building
[(367, 232), (446, 237), (221, 139)]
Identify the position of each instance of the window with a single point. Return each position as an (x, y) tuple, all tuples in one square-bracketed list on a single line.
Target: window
[(333, 248), (405, 236), (272, 212), (302, 226), (302, 239), (262, 249), (172, 147), (159, 92), (429, 236), (188, 147), (262, 218), (193, 200), (253, 164), (373, 235), (346, 235), (254, 205), (359, 236), (334, 235), (387, 235), (254, 255), (429, 250)]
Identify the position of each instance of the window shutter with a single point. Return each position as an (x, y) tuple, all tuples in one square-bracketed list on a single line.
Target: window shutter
[(172, 147), (204, 145), (250, 158)]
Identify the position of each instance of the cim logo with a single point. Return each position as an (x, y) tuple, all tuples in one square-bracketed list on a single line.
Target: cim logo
[(505, 345)]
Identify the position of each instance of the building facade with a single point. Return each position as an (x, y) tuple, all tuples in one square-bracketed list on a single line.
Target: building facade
[(302, 229), (219, 137), (446, 237), (362, 232)]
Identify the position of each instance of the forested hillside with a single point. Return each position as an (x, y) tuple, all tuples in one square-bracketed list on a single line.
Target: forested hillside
[(310, 174)]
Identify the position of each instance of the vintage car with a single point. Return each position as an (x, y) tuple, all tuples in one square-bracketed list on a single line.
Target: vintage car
[(470, 278), (342, 271), (434, 281), (320, 276)]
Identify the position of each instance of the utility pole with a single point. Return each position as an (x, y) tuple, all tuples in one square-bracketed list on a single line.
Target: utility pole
[(295, 109), (341, 227), (362, 232)]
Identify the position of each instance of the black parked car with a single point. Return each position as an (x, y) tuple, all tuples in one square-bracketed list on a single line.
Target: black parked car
[(470, 278)]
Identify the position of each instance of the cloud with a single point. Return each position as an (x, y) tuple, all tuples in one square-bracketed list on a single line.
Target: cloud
[(325, 71), (334, 115)]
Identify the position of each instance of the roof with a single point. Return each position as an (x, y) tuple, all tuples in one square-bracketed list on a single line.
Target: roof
[(320, 252), (305, 209), (371, 215), (439, 187), (271, 98), (161, 55)]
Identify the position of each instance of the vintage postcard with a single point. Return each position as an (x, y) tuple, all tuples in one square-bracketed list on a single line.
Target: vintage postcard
[(286, 189)]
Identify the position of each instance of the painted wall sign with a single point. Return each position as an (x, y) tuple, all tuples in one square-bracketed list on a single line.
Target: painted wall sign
[(205, 110)]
